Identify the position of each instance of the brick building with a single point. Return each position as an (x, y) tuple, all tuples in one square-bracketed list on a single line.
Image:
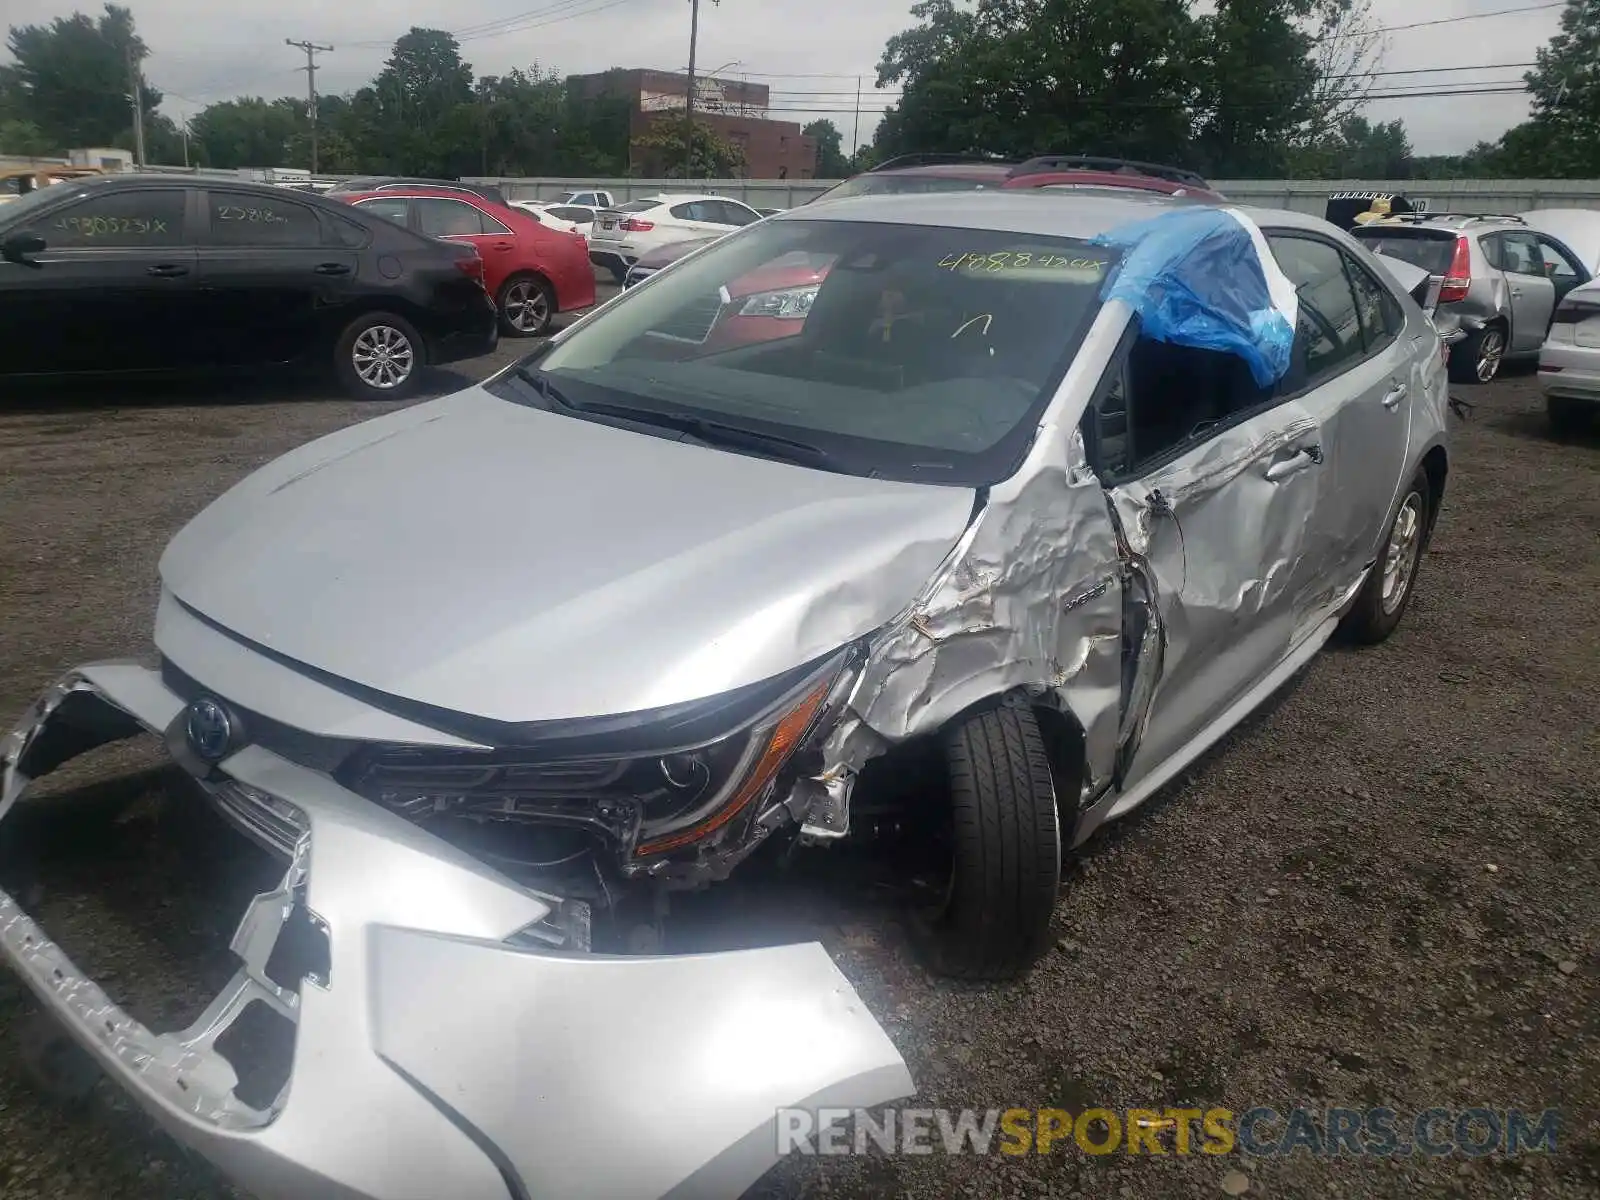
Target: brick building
[(736, 110)]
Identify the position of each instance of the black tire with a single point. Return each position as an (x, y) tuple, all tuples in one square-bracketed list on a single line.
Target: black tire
[(1467, 359), (367, 331), (1375, 614), (527, 306), (619, 275), (1005, 850), (1567, 416)]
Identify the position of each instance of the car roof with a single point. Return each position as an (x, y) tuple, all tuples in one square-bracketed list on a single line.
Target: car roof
[(952, 170), (1451, 222), (1058, 213)]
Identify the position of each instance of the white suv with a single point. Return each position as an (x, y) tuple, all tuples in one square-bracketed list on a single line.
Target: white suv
[(622, 234)]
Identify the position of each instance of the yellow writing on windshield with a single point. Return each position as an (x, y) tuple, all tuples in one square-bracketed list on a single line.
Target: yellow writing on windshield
[(996, 261), (93, 227)]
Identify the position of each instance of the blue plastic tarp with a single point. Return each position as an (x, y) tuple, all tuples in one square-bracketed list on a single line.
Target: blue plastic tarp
[(1204, 277)]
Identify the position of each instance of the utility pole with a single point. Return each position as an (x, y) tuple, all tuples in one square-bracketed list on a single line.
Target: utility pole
[(688, 106), (136, 91), (855, 137), (311, 49)]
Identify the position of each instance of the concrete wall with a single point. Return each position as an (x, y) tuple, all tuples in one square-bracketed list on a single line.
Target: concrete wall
[(1454, 195)]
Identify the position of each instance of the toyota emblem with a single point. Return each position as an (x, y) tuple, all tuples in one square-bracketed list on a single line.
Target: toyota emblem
[(209, 729)]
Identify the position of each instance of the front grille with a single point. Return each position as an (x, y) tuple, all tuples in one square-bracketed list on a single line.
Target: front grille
[(692, 322), (308, 749), (265, 819)]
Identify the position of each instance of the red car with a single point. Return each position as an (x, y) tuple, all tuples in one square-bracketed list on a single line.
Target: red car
[(531, 270), (1073, 171)]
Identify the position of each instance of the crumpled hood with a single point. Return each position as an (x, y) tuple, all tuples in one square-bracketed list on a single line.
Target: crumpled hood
[(488, 558)]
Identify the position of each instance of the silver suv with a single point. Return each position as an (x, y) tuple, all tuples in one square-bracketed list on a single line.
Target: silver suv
[(1498, 278)]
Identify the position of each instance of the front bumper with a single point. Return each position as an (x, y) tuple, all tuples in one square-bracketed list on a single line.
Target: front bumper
[(433, 1057)]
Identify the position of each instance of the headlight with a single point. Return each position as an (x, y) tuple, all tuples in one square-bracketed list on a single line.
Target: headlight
[(650, 803), (793, 303)]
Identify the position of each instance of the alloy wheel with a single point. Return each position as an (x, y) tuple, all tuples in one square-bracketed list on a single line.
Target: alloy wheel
[(526, 306), (383, 357), (1400, 556), (1491, 349)]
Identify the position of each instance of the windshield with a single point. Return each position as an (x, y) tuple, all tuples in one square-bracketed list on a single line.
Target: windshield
[(14, 214), (1425, 248), (909, 352), (889, 184)]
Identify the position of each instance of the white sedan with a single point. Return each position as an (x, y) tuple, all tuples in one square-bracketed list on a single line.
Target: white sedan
[(549, 218), (622, 234)]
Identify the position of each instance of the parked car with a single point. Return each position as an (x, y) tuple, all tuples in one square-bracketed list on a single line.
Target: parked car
[(1577, 229), (531, 270), (622, 234), (649, 263), (386, 183), (16, 182), (581, 218), (1495, 280), (1569, 361), (177, 273), (562, 221), (912, 174), (595, 200)]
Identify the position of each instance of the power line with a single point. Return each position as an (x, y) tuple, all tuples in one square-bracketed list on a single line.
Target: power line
[(1474, 90)]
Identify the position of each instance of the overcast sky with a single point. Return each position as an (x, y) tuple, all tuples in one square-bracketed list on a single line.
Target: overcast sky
[(808, 51)]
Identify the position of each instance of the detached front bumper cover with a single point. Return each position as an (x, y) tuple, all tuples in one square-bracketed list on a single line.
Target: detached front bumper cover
[(433, 1057)]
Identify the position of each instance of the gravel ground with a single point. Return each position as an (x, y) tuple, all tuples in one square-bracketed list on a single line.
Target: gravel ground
[(1383, 891)]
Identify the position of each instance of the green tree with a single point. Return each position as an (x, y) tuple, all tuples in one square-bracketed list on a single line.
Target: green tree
[(1561, 139), (246, 132), (1032, 76), (660, 151), (1359, 149), (70, 77), (831, 162)]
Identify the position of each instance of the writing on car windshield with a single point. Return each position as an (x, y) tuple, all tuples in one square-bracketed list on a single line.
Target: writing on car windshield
[(93, 227), (254, 215), (900, 350)]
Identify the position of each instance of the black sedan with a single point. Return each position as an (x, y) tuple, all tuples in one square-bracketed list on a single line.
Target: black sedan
[(162, 273)]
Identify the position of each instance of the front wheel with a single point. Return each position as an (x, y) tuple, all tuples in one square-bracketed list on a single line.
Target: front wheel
[(1004, 850), (527, 306), (1387, 592), (1477, 357), (378, 357)]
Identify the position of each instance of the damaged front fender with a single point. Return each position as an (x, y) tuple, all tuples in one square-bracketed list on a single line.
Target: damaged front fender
[(434, 1053)]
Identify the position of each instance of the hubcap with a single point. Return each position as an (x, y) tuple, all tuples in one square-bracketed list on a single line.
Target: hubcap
[(526, 307), (1400, 558), (383, 357), (1491, 347)]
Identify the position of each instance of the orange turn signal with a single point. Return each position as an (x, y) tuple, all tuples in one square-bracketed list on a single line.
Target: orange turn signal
[(785, 736)]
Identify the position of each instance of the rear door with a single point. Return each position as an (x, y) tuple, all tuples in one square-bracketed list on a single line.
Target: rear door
[(734, 214), (460, 221), (113, 290), (269, 274), (1354, 371), (1561, 265), (702, 216), (1533, 295)]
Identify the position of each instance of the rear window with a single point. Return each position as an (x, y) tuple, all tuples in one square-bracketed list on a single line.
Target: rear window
[(899, 351), (1423, 248), (881, 185)]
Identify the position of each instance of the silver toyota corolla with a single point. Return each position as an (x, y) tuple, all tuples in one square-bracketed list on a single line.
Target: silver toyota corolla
[(994, 510)]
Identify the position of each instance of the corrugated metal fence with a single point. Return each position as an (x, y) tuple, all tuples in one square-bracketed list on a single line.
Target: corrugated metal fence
[(1303, 195)]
